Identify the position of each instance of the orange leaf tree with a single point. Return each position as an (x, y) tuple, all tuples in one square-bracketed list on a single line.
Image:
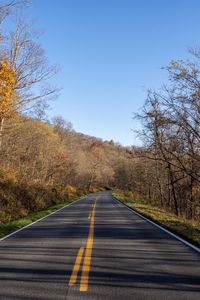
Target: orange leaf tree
[(7, 93)]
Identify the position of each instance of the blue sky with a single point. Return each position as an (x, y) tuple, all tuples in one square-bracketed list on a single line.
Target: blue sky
[(110, 52)]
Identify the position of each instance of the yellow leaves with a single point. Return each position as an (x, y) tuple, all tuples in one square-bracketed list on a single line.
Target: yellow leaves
[(7, 91), (71, 190), (8, 174)]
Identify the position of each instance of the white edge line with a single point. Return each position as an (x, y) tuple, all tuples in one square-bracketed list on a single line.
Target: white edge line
[(14, 232), (160, 227)]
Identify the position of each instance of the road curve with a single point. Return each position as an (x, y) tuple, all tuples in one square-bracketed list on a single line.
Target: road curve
[(96, 248)]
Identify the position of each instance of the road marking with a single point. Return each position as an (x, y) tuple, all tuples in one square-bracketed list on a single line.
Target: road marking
[(88, 254), (160, 227), (18, 230), (76, 268)]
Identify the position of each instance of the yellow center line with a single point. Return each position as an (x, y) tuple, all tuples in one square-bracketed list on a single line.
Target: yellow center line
[(88, 254), (74, 274)]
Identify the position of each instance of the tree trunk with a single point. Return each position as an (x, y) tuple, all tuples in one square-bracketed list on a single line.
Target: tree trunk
[(171, 177), (190, 202), (1, 131)]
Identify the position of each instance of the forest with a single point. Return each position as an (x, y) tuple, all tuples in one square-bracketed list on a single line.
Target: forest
[(44, 161)]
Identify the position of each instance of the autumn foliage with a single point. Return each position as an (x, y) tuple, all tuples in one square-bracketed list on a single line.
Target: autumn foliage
[(7, 89)]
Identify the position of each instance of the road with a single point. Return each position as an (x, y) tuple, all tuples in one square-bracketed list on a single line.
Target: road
[(96, 248)]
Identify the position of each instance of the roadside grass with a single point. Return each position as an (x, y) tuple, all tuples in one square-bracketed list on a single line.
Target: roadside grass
[(12, 226), (187, 229)]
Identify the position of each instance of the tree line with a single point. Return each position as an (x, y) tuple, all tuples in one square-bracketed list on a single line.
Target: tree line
[(171, 134)]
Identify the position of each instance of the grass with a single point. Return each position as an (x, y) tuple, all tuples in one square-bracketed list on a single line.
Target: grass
[(187, 229), (12, 226)]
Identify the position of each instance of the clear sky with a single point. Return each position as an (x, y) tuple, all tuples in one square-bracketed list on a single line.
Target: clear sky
[(110, 52)]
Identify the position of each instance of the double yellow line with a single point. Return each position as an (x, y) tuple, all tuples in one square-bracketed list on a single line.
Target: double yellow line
[(87, 258)]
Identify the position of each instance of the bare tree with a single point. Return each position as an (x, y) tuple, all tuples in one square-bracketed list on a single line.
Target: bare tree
[(21, 48), (32, 69), (8, 7), (171, 120)]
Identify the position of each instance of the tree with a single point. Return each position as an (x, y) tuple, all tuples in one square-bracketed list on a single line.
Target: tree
[(61, 126), (22, 57), (7, 8), (8, 96), (171, 120), (32, 69)]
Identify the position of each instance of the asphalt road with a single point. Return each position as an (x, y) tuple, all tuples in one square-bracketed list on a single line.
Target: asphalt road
[(96, 248)]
